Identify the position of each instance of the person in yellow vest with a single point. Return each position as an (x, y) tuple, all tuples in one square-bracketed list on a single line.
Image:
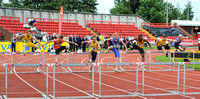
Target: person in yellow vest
[(94, 47), (26, 40), (139, 45), (161, 44)]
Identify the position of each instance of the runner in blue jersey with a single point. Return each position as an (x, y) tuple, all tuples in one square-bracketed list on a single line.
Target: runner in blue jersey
[(177, 43), (115, 47)]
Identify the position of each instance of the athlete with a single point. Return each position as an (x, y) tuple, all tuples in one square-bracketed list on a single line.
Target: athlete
[(94, 47), (26, 40), (177, 43), (139, 45), (115, 47), (57, 45), (161, 44)]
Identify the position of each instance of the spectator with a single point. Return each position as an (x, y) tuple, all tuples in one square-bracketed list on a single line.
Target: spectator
[(54, 35), (75, 41), (128, 45), (110, 41), (44, 38), (79, 41), (70, 44), (31, 21), (124, 40), (106, 43), (34, 42), (84, 44), (13, 43), (120, 42), (50, 37), (34, 28), (98, 39), (40, 38), (88, 37), (26, 25)]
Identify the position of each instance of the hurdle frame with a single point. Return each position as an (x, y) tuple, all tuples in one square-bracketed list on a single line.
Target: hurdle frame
[(73, 64), (129, 94), (24, 65)]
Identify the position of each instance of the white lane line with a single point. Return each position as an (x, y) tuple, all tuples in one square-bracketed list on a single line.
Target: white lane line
[(140, 83)]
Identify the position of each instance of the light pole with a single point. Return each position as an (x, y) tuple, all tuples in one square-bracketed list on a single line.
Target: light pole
[(188, 11), (167, 13)]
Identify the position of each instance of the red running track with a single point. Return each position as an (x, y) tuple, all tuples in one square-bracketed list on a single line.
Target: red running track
[(79, 84)]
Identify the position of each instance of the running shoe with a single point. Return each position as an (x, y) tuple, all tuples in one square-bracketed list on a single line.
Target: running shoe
[(106, 52), (89, 61), (116, 70), (145, 66), (166, 54), (90, 73), (184, 49), (24, 53), (129, 48), (68, 51)]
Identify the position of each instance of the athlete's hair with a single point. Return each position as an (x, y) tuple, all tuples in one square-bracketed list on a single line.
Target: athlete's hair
[(164, 35), (140, 35), (61, 36), (116, 33), (180, 35), (28, 31), (93, 36)]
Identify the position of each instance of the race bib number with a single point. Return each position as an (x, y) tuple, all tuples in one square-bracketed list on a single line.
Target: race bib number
[(58, 44), (94, 48), (27, 40), (140, 44), (116, 46)]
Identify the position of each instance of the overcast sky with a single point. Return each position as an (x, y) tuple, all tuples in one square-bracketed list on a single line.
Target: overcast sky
[(105, 5)]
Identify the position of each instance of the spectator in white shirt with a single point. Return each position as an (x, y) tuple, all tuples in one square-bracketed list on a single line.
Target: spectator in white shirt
[(34, 28), (26, 25), (44, 38)]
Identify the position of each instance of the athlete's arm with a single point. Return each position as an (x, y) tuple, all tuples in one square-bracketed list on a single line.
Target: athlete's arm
[(70, 42), (131, 40), (148, 43), (50, 41), (85, 42), (156, 40), (107, 40), (123, 44), (20, 36), (99, 47)]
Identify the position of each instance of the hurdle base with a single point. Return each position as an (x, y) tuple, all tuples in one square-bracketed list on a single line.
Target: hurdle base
[(75, 97), (114, 96), (190, 93), (44, 97)]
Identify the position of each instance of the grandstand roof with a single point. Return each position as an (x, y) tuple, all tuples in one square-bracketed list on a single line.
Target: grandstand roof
[(186, 22)]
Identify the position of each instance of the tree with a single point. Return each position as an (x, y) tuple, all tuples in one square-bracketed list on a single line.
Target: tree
[(152, 10), (68, 5), (185, 12), (120, 8), (174, 13)]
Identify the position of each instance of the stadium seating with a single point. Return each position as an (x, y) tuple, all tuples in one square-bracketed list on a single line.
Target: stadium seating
[(123, 28), (13, 25)]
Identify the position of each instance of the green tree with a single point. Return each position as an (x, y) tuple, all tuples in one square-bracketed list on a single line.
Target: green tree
[(174, 13), (120, 8), (152, 10), (68, 5), (185, 12)]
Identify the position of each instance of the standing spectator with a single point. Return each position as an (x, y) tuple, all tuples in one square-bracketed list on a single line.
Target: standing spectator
[(120, 42), (88, 39), (128, 45), (44, 38), (110, 41), (124, 40), (54, 35), (50, 37), (13, 43), (31, 21), (40, 38), (106, 43), (34, 42), (34, 28), (98, 39), (70, 44), (79, 41), (1, 36), (84, 44), (75, 41)]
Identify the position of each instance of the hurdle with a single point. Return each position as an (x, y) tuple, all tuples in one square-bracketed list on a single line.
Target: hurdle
[(184, 77), (73, 64), (35, 53), (129, 94), (24, 65)]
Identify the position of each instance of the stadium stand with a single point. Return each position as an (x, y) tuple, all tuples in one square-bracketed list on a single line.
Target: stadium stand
[(13, 25), (123, 28)]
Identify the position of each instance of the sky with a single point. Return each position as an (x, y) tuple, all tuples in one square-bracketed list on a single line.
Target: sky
[(105, 6)]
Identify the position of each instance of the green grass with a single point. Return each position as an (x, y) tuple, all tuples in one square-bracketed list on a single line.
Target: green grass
[(167, 59)]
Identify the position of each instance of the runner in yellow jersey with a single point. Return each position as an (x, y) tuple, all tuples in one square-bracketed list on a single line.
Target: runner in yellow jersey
[(94, 47), (26, 39), (139, 45), (161, 44)]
